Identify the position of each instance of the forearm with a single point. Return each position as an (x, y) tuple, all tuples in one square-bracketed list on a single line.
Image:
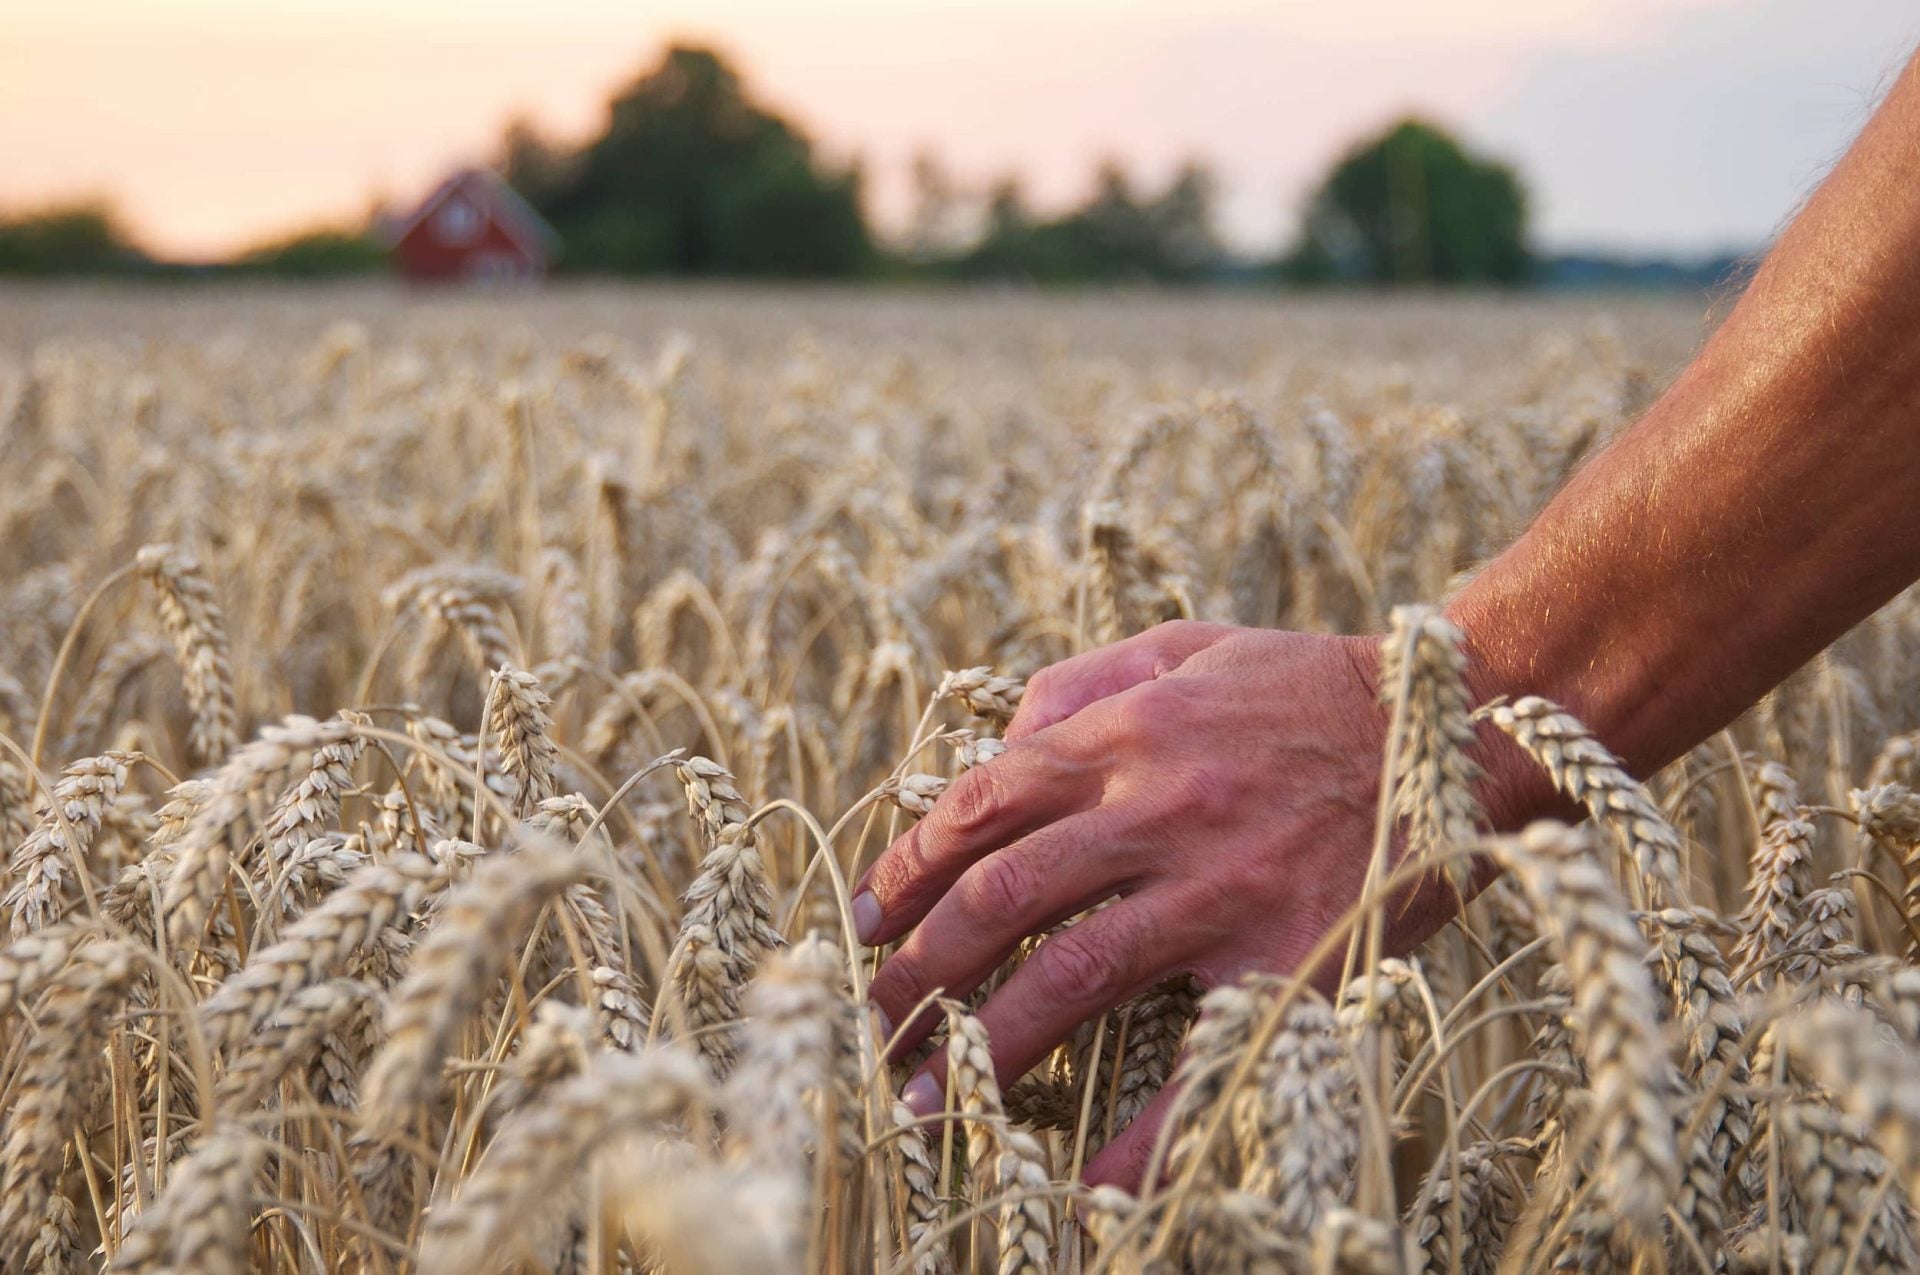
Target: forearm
[(1768, 502)]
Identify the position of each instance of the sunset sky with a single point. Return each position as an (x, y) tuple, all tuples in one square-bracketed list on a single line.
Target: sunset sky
[(1671, 125)]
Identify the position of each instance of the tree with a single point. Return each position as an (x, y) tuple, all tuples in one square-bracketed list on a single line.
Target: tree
[(1182, 220), (935, 230), (1117, 235), (533, 166), (692, 177), (1414, 206), (83, 238)]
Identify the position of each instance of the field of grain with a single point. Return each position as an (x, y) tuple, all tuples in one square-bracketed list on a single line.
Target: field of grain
[(438, 733)]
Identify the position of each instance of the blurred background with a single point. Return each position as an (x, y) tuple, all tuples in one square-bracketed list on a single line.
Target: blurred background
[(1556, 143)]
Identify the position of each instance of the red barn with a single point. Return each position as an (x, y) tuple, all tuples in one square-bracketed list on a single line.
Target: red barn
[(473, 227)]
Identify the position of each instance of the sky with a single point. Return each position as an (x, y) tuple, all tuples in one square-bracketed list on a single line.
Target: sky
[(1671, 126)]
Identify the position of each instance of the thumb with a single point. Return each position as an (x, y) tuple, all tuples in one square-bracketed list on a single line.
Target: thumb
[(1125, 1161), (1060, 690)]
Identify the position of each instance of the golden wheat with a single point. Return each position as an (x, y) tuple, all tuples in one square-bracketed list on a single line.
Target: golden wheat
[(469, 893)]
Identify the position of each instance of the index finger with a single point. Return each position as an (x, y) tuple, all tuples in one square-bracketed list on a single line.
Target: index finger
[(1060, 690), (1031, 785)]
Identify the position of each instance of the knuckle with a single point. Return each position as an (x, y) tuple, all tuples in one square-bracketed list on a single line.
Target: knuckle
[(1172, 641), (1172, 632), (1240, 876), (899, 985), (1078, 968), (1145, 711), (1207, 793), (1033, 710), (1000, 888), (973, 803), (898, 871)]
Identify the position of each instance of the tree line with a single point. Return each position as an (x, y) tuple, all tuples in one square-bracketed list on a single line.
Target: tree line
[(692, 176)]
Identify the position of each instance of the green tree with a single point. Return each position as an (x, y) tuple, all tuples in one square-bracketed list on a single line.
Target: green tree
[(1414, 206), (536, 168), (1182, 220), (1117, 235), (935, 231), (692, 177), (83, 238)]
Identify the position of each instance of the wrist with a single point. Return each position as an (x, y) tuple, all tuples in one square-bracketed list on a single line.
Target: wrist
[(1514, 788)]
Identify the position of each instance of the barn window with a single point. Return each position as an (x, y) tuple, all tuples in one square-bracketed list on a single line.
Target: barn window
[(458, 221)]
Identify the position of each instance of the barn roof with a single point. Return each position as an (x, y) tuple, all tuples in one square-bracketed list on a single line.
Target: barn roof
[(515, 215)]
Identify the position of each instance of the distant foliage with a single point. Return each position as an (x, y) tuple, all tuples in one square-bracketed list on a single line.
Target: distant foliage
[(71, 239), (1117, 235), (315, 254), (1414, 206), (693, 177)]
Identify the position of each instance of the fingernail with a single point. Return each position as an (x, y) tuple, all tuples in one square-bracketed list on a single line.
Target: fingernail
[(882, 1026), (866, 916), (922, 1095)]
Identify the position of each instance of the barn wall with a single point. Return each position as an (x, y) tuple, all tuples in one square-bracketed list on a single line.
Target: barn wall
[(421, 256)]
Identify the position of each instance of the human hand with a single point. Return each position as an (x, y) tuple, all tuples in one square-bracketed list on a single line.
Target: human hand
[(1221, 781)]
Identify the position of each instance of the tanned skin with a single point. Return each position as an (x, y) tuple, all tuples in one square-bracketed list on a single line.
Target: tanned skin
[(1222, 781)]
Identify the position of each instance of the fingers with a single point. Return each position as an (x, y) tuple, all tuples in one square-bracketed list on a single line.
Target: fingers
[(1060, 690), (988, 807), (1124, 1161), (1073, 976), (1036, 882)]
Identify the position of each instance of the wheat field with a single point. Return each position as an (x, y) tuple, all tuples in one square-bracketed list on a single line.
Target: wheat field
[(439, 733)]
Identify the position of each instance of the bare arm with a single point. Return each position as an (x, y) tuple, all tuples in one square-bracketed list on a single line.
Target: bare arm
[(1222, 781), (1766, 504)]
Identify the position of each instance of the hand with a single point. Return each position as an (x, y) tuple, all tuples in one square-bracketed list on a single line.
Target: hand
[(1221, 781)]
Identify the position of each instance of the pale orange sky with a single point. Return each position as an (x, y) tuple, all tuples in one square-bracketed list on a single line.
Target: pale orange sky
[(1686, 124)]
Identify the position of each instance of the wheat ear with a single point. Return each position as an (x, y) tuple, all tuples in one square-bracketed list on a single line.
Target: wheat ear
[(728, 921), (986, 694), (55, 1083), (1487, 1202), (289, 1039), (1026, 1215), (779, 1093), (202, 1220), (42, 866), (615, 1097), (1433, 792), (311, 808), (375, 901), (1583, 769), (1299, 1129), (1637, 1165), (924, 1208), (1782, 877), (203, 856), (480, 923), (518, 725), (194, 621), (1841, 1047)]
